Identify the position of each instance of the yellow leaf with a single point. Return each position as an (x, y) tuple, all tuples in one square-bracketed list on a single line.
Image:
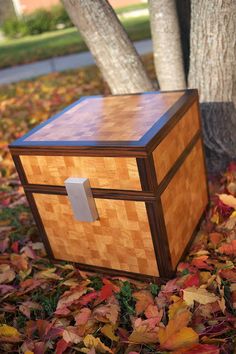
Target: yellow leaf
[(228, 200), (28, 352), (48, 274), (8, 331), (174, 325), (182, 338), (90, 342), (200, 295), (178, 306), (108, 331)]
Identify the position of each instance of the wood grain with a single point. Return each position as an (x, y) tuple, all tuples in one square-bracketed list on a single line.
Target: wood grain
[(113, 118), (120, 239), (170, 148), (103, 172), (184, 201)]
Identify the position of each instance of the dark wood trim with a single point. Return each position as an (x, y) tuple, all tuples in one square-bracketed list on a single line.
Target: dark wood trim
[(116, 272), (145, 175), (121, 151), (157, 226), (20, 169), (39, 222), (97, 192), (178, 163)]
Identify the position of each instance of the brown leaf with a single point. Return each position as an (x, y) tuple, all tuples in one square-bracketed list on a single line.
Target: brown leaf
[(143, 299), (145, 331), (106, 313), (6, 274)]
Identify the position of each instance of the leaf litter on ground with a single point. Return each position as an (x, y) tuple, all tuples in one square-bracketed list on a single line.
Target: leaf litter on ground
[(54, 307)]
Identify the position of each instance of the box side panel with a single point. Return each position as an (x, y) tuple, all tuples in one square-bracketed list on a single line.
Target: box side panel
[(172, 146), (103, 172), (120, 239), (184, 201)]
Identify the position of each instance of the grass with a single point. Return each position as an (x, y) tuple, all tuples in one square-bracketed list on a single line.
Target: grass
[(62, 42)]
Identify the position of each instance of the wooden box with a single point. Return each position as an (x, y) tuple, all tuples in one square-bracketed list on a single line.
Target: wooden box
[(143, 157)]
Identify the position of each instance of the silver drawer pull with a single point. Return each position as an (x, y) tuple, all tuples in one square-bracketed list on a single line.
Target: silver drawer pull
[(81, 199)]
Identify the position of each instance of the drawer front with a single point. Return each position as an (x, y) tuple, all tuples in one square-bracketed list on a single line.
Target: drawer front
[(102, 172), (120, 239), (171, 147), (184, 201)]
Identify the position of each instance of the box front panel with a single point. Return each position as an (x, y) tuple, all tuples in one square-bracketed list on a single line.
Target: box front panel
[(103, 172), (184, 201), (171, 147), (120, 239)]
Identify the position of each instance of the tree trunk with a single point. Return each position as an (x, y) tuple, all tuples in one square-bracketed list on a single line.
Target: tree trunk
[(213, 72), (167, 49), (108, 42)]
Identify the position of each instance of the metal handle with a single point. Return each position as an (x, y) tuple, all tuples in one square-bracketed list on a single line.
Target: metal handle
[(81, 199)]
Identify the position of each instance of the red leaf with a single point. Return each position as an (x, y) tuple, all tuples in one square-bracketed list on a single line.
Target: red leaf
[(105, 292), (199, 349), (200, 262), (228, 248), (229, 274), (86, 299), (62, 345), (192, 280), (15, 247), (215, 238)]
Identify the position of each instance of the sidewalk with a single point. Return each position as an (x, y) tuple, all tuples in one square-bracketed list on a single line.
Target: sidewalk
[(72, 61)]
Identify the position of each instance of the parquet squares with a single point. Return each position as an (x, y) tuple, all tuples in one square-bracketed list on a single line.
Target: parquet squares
[(184, 201), (119, 239), (171, 147), (103, 172), (113, 118)]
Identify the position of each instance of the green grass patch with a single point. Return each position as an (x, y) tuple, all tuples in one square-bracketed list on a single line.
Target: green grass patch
[(61, 42)]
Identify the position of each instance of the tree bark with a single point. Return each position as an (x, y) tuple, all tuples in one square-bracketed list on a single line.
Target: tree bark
[(213, 72), (167, 49), (108, 42)]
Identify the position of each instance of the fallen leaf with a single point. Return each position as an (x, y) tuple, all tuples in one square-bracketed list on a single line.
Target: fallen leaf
[(9, 334), (108, 331), (48, 274), (145, 331), (90, 342), (6, 274), (228, 248), (70, 335), (27, 306), (177, 307), (143, 299), (202, 296), (106, 313), (198, 349), (228, 200), (62, 345)]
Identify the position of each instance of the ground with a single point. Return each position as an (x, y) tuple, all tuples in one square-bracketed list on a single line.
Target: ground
[(55, 308)]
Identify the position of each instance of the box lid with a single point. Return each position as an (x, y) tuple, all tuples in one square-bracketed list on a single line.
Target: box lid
[(112, 121)]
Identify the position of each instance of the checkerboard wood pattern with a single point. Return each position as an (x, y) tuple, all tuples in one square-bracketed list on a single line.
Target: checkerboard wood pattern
[(184, 201), (120, 239), (103, 172), (113, 118), (170, 148)]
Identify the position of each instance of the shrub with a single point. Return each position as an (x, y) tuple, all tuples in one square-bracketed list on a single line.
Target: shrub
[(13, 28), (39, 21)]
